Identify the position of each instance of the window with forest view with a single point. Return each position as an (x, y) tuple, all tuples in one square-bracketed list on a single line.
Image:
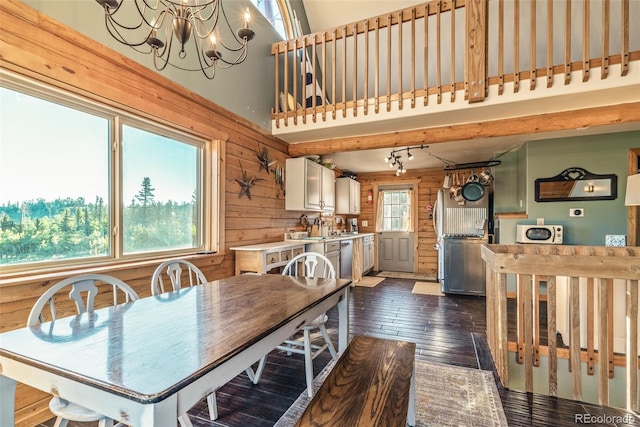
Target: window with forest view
[(59, 197)]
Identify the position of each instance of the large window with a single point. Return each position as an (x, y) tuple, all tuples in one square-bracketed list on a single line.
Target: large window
[(80, 182), (277, 14)]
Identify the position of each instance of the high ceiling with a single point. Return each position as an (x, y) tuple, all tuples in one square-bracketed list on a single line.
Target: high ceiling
[(326, 14)]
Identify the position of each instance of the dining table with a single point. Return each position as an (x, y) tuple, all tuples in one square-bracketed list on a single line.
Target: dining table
[(146, 362)]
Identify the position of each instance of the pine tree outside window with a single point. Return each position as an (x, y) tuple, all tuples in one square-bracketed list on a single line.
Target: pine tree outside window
[(93, 184)]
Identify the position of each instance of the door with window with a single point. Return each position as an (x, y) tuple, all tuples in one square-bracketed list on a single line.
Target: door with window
[(395, 229)]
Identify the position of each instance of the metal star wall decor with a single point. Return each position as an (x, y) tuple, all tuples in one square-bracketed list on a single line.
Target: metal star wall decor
[(263, 158), (246, 183)]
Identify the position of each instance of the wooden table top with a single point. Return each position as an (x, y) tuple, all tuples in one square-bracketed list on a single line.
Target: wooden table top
[(149, 349)]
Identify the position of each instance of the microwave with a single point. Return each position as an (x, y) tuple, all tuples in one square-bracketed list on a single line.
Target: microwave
[(551, 234)]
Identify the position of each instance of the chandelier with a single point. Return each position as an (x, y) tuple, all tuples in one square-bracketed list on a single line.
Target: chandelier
[(177, 32)]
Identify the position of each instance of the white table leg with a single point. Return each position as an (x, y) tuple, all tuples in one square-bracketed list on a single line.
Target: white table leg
[(343, 317), (8, 401), (411, 414)]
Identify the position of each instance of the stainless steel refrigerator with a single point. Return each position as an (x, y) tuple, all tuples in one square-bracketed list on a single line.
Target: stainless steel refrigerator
[(461, 229)]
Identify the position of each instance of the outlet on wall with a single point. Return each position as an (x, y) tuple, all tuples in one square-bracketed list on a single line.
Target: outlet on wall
[(576, 212), (365, 223)]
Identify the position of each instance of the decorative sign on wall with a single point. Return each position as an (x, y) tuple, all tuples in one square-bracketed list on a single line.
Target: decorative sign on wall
[(576, 184)]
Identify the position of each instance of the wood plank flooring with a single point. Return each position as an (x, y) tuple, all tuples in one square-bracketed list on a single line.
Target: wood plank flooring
[(447, 330)]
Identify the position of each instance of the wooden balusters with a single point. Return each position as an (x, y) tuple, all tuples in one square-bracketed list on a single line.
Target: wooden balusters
[(567, 43), (425, 74), (500, 47), (438, 52), (452, 54), (366, 67), (400, 90), (551, 335), (355, 70), (586, 23), (323, 69), (633, 401), (603, 342), (604, 68), (549, 43), (568, 271), (388, 63), (344, 72), (624, 25), (477, 58), (532, 48), (516, 46)]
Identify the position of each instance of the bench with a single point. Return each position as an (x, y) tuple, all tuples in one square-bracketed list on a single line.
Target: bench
[(372, 384)]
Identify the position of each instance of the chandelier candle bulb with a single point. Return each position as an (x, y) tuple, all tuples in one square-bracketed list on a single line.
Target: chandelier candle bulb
[(247, 18), (180, 21)]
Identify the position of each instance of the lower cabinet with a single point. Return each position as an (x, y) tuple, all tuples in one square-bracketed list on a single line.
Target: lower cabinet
[(368, 253)]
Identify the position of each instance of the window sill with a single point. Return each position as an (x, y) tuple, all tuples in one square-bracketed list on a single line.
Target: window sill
[(52, 273)]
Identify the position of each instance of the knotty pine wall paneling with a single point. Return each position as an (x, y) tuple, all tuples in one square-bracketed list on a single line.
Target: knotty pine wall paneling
[(35, 46)]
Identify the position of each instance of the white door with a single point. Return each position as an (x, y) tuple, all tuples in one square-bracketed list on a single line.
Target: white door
[(396, 240)]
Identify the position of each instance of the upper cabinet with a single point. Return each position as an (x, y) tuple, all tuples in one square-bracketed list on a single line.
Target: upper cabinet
[(309, 186), (347, 196)]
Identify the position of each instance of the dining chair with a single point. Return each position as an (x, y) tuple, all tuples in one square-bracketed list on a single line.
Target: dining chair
[(310, 264), (87, 285), (172, 270)]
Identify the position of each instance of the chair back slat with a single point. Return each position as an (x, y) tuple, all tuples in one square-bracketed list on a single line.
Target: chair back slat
[(173, 270), (309, 262), (84, 284)]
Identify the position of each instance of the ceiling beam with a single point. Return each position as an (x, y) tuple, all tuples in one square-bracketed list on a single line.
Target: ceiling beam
[(534, 124)]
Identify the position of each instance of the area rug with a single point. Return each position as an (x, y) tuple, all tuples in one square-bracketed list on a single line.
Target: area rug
[(445, 396), (427, 288), (403, 275), (369, 281)]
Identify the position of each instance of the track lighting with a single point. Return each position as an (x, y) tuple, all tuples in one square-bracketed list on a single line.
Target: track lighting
[(394, 159)]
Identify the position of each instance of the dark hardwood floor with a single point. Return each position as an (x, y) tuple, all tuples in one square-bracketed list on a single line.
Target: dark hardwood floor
[(447, 330)]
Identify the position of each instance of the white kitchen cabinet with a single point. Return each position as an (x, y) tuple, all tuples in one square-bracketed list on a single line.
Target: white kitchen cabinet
[(309, 186), (368, 253), (347, 196)]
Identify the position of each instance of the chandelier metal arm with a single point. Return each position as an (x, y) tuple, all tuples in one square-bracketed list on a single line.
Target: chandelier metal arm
[(157, 23)]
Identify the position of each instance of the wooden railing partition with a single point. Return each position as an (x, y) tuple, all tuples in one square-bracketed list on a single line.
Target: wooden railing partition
[(607, 271), (445, 46)]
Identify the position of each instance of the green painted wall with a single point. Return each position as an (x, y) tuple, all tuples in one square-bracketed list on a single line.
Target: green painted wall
[(599, 154)]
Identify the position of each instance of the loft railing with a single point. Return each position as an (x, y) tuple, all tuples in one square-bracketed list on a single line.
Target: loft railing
[(406, 58), (578, 285)]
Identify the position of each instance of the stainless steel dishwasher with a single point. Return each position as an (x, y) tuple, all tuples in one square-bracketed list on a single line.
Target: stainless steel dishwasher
[(346, 258)]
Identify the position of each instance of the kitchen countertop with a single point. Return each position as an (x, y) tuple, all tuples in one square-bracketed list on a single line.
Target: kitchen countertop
[(295, 242), (269, 246), (345, 236)]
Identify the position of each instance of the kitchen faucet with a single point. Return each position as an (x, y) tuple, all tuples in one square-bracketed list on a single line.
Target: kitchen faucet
[(335, 218)]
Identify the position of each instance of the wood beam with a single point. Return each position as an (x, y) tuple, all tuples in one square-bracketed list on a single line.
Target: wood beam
[(534, 124)]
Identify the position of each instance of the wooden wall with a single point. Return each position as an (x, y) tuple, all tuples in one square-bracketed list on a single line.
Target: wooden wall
[(35, 46), (430, 181)]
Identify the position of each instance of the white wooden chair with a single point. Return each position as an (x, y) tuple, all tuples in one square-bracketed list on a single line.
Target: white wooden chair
[(173, 270), (306, 264), (85, 284)]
